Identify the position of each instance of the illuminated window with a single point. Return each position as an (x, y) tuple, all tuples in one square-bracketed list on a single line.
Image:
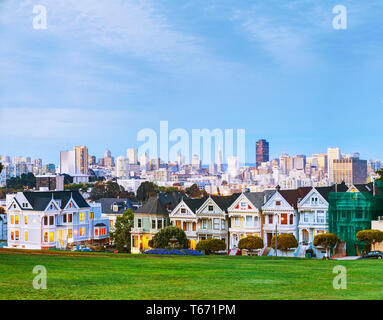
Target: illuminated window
[(51, 236), (12, 235), (16, 219), (26, 236), (17, 236), (45, 236), (70, 218), (284, 218), (25, 219), (96, 232), (70, 235), (82, 232), (82, 216), (12, 219), (111, 224), (91, 215)]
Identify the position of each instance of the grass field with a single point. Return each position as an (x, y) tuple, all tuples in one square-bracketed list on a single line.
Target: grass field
[(119, 276)]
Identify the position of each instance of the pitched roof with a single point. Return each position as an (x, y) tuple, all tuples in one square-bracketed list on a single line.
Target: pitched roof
[(195, 204), (40, 200), (107, 205), (325, 191), (258, 198), (153, 206), (292, 196)]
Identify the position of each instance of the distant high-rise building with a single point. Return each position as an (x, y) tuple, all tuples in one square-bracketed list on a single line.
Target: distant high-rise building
[(132, 156), (81, 159), (232, 166), (68, 163), (91, 160), (196, 162), (121, 167), (299, 162), (332, 154), (350, 170), (108, 159), (262, 151), (219, 160)]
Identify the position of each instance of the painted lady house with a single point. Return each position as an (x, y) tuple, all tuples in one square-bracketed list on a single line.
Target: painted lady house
[(152, 217), (245, 216), (54, 219)]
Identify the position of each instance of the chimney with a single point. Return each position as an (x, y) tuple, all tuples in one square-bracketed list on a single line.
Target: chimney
[(278, 187)]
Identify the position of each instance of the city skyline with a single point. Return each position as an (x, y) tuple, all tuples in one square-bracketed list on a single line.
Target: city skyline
[(97, 77)]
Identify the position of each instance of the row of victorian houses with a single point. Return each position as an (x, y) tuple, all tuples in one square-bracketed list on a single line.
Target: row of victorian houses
[(56, 219), (302, 212)]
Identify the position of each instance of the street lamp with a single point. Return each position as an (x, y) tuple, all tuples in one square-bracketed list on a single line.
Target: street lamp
[(276, 234)]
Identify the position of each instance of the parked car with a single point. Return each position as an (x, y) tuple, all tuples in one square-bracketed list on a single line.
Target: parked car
[(373, 255)]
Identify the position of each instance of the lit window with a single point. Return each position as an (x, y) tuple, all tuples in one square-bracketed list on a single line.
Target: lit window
[(25, 219), (91, 215), (96, 232), (17, 237), (12, 235), (82, 232), (70, 218), (51, 236), (12, 219), (284, 218), (82, 216), (26, 236), (16, 219), (70, 234), (45, 236)]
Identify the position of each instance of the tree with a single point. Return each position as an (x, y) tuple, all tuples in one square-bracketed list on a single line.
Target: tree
[(2, 210), (285, 241), (370, 236), (379, 172), (325, 240), (1, 167), (112, 190), (97, 192), (194, 191), (24, 181), (250, 243), (162, 238), (211, 245), (121, 236), (146, 190)]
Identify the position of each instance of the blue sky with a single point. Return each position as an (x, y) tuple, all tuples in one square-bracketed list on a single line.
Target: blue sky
[(103, 70)]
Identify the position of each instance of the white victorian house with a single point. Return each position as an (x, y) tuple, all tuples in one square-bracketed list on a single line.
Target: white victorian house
[(280, 213), (245, 216)]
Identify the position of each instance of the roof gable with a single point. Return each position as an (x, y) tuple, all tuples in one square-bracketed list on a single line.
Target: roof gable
[(277, 202)]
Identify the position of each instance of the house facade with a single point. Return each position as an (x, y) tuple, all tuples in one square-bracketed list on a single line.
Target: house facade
[(45, 220), (150, 218), (3, 222), (280, 214), (245, 216)]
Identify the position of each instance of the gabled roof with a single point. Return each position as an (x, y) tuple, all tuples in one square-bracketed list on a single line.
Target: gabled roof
[(107, 205), (195, 204), (292, 196), (153, 206), (258, 198), (225, 202), (325, 191), (40, 200)]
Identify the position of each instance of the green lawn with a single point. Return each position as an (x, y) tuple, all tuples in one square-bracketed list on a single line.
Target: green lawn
[(119, 276)]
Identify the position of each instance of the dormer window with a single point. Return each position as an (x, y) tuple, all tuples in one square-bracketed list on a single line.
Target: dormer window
[(243, 205), (277, 203), (314, 200), (183, 210), (210, 208)]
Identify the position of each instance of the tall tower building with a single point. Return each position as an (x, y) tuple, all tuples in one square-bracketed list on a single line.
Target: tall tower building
[(262, 151), (218, 160), (81, 159), (132, 156), (196, 162), (68, 163), (332, 154), (350, 170)]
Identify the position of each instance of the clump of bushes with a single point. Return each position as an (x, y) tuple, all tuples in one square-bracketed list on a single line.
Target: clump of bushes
[(182, 252), (211, 245)]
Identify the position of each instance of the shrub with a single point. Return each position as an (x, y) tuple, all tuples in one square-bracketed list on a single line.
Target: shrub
[(211, 245), (250, 243), (370, 236), (326, 240), (285, 241), (162, 238)]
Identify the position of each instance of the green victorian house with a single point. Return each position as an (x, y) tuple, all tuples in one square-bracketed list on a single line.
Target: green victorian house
[(152, 217)]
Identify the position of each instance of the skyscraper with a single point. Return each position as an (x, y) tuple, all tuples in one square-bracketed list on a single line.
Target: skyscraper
[(262, 152), (350, 170), (81, 159), (332, 154), (132, 156), (218, 160)]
